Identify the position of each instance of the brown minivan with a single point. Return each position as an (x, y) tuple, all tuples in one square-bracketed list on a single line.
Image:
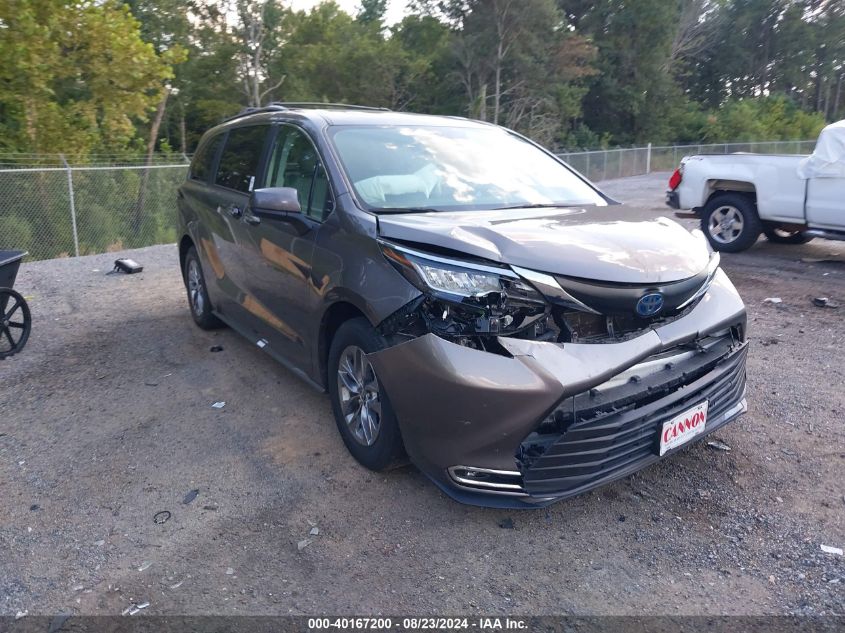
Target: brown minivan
[(466, 298)]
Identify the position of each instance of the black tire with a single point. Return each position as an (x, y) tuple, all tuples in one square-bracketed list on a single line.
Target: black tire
[(200, 304), (736, 209), (777, 235), (15, 322), (386, 449)]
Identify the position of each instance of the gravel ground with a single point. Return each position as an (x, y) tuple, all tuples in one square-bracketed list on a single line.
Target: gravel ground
[(107, 420)]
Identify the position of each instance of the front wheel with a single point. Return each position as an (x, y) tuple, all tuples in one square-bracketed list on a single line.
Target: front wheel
[(730, 222), (362, 410), (778, 235)]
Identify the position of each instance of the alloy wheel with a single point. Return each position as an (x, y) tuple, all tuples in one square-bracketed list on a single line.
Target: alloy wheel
[(726, 224), (195, 287), (360, 400)]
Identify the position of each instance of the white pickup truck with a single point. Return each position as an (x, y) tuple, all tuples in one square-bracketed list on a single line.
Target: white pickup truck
[(791, 199)]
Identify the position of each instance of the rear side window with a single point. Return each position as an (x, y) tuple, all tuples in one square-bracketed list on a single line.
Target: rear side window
[(241, 155), (204, 159)]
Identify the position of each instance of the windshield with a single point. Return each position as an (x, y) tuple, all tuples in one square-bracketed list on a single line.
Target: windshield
[(405, 168)]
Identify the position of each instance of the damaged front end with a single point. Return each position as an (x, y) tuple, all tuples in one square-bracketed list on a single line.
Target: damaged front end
[(519, 387), (465, 302)]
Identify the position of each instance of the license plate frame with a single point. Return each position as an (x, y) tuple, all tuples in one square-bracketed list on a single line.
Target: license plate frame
[(681, 429)]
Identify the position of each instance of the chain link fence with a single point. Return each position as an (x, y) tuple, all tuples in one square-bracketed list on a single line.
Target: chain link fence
[(53, 208), (606, 164)]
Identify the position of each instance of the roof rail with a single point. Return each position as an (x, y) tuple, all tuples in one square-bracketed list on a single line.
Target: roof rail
[(277, 106), (321, 105), (273, 107)]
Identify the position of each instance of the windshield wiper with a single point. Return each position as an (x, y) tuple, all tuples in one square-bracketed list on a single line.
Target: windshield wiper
[(538, 205), (408, 210)]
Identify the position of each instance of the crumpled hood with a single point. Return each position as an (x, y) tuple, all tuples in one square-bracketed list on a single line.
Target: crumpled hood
[(576, 242)]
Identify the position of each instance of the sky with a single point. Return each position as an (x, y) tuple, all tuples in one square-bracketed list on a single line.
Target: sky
[(395, 8)]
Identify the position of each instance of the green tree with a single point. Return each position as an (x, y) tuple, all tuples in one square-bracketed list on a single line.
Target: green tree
[(76, 76)]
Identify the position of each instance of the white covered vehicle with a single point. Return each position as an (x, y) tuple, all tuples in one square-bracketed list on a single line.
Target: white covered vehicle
[(789, 198)]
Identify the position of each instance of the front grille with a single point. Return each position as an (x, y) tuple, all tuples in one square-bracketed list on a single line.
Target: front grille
[(601, 435)]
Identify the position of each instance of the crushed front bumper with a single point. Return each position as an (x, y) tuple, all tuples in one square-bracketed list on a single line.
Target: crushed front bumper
[(470, 419)]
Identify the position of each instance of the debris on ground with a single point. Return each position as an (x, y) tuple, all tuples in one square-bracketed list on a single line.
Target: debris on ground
[(126, 265), (829, 549), (132, 609), (772, 300), (506, 523), (719, 445), (216, 348), (315, 531), (150, 383), (161, 517), (213, 508), (177, 585), (145, 565), (218, 405), (190, 496), (303, 544), (230, 571), (824, 302)]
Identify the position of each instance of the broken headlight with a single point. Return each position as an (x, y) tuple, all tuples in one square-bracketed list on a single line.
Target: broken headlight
[(466, 298)]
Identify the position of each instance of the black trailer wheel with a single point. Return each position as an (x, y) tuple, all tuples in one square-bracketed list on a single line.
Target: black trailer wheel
[(15, 322)]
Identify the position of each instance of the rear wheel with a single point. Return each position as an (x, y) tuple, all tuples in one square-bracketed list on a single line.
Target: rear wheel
[(778, 235), (730, 222), (15, 322), (362, 410), (198, 300)]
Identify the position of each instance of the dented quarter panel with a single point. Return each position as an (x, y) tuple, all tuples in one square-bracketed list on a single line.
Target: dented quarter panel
[(348, 267)]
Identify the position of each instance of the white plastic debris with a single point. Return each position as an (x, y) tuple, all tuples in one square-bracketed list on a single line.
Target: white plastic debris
[(132, 609), (719, 445), (303, 544), (772, 300), (229, 571), (218, 405), (314, 531), (829, 549), (145, 565)]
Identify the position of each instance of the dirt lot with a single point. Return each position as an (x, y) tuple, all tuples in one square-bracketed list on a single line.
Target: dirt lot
[(106, 419)]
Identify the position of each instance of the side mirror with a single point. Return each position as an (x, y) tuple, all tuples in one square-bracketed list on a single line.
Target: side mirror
[(274, 200)]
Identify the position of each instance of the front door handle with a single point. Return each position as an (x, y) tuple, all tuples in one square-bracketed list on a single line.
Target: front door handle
[(251, 218)]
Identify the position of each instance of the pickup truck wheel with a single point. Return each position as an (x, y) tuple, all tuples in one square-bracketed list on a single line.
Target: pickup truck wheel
[(778, 235), (730, 222)]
